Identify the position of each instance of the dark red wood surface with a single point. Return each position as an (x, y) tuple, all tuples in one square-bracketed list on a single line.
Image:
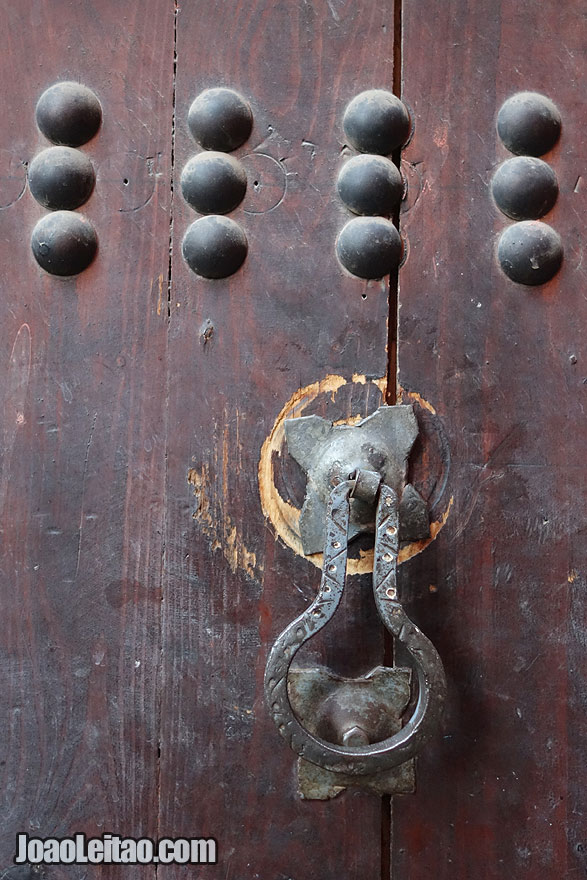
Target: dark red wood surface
[(141, 585), (82, 404), (503, 794), (239, 349)]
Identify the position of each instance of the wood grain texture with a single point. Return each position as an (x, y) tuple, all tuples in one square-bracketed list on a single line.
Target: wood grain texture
[(239, 349), (83, 436), (141, 585), (503, 794)]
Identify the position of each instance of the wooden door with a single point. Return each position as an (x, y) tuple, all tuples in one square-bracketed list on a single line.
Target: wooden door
[(149, 556)]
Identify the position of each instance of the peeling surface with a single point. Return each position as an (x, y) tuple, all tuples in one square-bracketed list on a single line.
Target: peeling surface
[(16, 383), (217, 525), (282, 514)]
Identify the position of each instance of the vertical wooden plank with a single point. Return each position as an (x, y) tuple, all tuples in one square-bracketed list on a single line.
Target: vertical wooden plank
[(83, 435), (240, 348), (503, 793)]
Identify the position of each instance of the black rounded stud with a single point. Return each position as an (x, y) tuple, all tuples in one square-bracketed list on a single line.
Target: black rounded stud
[(369, 247), (220, 119), (214, 247), (213, 183), (529, 124), (61, 178), (524, 188), (68, 113), (376, 122), (370, 185), (64, 243), (530, 252)]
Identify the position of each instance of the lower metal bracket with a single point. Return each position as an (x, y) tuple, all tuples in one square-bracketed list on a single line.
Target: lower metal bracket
[(351, 712)]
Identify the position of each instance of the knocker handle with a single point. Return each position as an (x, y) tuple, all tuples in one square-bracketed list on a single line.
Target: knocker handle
[(379, 756)]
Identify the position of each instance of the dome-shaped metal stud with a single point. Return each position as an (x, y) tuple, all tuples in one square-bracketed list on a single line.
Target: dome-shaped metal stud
[(369, 247), (213, 183), (529, 124), (370, 184), (64, 243), (524, 188), (68, 113), (220, 119), (214, 247), (530, 252), (61, 178), (376, 122)]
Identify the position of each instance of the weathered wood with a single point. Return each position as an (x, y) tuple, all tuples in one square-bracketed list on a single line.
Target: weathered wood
[(141, 584), (239, 349), (502, 795), (83, 436)]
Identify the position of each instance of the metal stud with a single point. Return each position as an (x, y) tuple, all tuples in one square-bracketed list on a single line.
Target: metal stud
[(214, 247), (370, 185), (524, 188), (213, 183), (61, 178), (530, 252), (369, 247), (220, 119), (529, 124), (376, 121), (68, 113), (64, 243)]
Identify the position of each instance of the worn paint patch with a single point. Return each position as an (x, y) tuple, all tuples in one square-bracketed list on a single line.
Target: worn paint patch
[(200, 481), (281, 513), (12, 407), (160, 295), (414, 397), (237, 555), (217, 525)]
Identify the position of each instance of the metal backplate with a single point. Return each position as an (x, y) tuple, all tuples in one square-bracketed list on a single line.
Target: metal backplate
[(337, 708), (330, 453)]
